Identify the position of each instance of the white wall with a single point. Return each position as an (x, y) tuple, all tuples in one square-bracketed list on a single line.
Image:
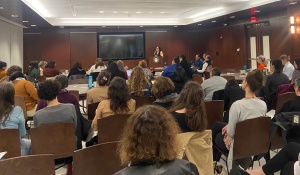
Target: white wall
[(11, 44)]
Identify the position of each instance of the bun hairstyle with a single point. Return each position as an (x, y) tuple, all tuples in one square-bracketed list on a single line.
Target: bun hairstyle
[(103, 78), (254, 80), (262, 58)]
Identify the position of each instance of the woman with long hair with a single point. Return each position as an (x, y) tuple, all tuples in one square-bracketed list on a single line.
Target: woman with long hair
[(188, 108), (97, 67), (207, 65), (76, 70), (11, 116), (158, 52), (122, 68), (296, 73), (115, 71), (138, 83), (149, 144), (118, 102), (185, 65)]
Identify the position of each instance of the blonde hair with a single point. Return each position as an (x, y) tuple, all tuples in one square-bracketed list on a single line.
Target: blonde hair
[(137, 81)]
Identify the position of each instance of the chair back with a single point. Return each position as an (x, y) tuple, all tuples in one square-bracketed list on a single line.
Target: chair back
[(111, 128), (10, 142), (218, 95), (99, 159), (206, 75), (40, 78), (28, 165), (75, 94), (228, 77), (251, 137), (20, 101), (94, 75), (57, 139), (92, 110), (198, 78), (282, 98), (277, 141), (79, 81), (214, 110), (145, 100)]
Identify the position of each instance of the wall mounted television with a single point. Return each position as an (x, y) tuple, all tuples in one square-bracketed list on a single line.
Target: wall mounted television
[(121, 46)]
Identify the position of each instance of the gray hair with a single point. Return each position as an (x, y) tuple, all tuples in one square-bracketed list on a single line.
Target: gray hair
[(263, 59), (120, 65), (42, 63)]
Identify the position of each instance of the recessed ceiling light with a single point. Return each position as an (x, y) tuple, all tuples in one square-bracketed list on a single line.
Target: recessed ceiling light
[(14, 16), (293, 3), (25, 21), (175, 26), (115, 12), (162, 12), (225, 24), (33, 25), (232, 17), (138, 12), (149, 12), (126, 12), (213, 21), (1, 8), (199, 24), (101, 11)]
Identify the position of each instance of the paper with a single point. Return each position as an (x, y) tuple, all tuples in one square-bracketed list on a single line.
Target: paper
[(2, 154)]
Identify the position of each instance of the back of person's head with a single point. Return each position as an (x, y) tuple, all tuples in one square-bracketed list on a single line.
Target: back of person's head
[(99, 62), (277, 65), (12, 69), (254, 80), (50, 64), (34, 65), (16, 75), (103, 78), (143, 64), (297, 62), (63, 81), (191, 98), (109, 61), (119, 95), (77, 65), (42, 63), (149, 135), (283, 58), (113, 67), (297, 86), (3, 65), (262, 58), (48, 90), (179, 75), (121, 65), (182, 56), (216, 71), (162, 87), (176, 60), (137, 81), (7, 93), (231, 83), (209, 60)]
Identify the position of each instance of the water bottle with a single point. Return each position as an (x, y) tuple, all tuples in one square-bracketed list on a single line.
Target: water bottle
[(90, 85), (165, 65), (245, 68)]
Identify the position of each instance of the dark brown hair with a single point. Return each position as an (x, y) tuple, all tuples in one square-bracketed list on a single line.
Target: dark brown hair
[(103, 78), (162, 86), (119, 95), (191, 98), (7, 93), (254, 80), (149, 135), (99, 62), (50, 64), (77, 65), (12, 69)]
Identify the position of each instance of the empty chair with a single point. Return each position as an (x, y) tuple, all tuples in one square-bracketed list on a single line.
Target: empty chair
[(198, 78), (110, 128), (228, 77), (28, 165), (79, 81), (92, 110), (145, 100), (214, 110), (282, 98), (10, 142), (97, 160)]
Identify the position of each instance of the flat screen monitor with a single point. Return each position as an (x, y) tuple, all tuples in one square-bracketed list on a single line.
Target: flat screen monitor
[(121, 46)]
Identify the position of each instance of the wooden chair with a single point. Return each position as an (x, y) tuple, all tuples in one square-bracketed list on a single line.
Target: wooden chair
[(79, 81), (228, 77), (20, 101), (110, 128), (198, 78), (214, 110), (282, 98), (91, 112), (75, 94), (97, 160), (141, 101), (40, 78), (28, 165), (57, 139), (10, 142), (277, 141), (206, 75)]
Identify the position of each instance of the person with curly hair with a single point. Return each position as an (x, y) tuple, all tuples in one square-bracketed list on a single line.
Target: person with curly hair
[(188, 108), (149, 144), (118, 102), (149, 74), (76, 70), (138, 83), (12, 69)]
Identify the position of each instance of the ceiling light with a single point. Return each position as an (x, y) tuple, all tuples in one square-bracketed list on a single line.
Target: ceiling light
[(101, 11), (232, 17), (14, 16), (214, 21), (162, 12), (126, 12), (225, 24), (25, 21), (149, 12), (199, 24), (37, 7), (1, 8), (293, 3), (33, 25), (115, 12), (207, 12), (138, 12)]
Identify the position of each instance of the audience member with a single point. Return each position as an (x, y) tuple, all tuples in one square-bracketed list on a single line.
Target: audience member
[(188, 108), (97, 67), (25, 89), (288, 68), (138, 83), (12, 69), (248, 108), (143, 64), (115, 72), (99, 93), (198, 62), (42, 66), (76, 70), (122, 68), (185, 65), (169, 71), (296, 73), (261, 62), (214, 83), (293, 104), (33, 71), (163, 91), (50, 69), (3, 67), (149, 145), (273, 81), (286, 161), (109, 61), (207, 64), (179, 79), (12, 117), (118, 102)]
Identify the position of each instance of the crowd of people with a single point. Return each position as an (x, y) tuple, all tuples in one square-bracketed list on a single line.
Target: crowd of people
[(149, 137)]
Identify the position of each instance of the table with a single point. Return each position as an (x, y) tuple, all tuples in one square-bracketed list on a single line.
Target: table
[(83, 89), (238, 77)]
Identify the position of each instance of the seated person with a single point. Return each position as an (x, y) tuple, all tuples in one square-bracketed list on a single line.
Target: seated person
[(288, 68), (149, 145), (115, 72), (261, 62), (118, 102), (286, 161), (12, 117), (198, 62), (99, 93), (214, 83), (207, 64), (3, 67), (185, 65), (188, 108), (33, 71), (42, 66), (138, 83), (12, 69), (50, 69), (97, 67), (163, 91), (248, 108), (148, 73), (293, 104), (25, 89), (179, 79), (296, 73), (169, 71), (76, 70)]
